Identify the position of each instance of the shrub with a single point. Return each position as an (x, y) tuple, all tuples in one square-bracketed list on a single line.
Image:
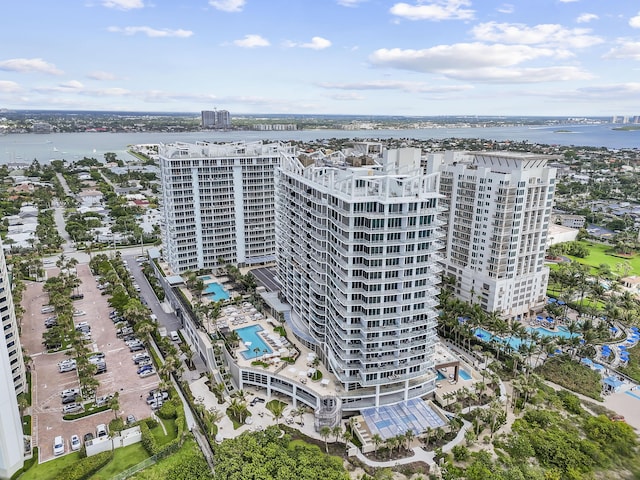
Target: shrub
[(86, 467), (168, 410), (460, 453), (116, 425), (151, 422)]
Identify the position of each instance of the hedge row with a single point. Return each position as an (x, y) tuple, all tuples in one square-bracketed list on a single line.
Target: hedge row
[(86, 467), (86, 413), (149, 441)]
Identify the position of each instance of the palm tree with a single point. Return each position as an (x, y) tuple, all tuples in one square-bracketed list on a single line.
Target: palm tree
[(409, 436), (427, 436), (324, 433), (336, 431), (114, 404), (214, 417), (277, 410), (377, 440), (347, 437)]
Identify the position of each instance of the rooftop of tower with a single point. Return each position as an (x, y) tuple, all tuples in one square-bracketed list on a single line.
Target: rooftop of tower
[(203, 149)]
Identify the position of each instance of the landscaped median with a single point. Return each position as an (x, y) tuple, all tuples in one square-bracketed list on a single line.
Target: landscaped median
[(90, 410)]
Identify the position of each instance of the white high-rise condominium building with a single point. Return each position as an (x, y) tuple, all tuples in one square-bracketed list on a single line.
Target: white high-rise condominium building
[(358, 239), (12, 382), (499, 208), (10, 330), (218, 203)]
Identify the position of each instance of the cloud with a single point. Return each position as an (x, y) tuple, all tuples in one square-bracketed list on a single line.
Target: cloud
[(98, 75), (506, 8), (635, 21), (586, 17), (543, 34), (617, 90), (123, 4), (405, 86), (252, 41), (568, 1), (346, 96), (625, 50), (228, 5), (7, 86), (151, 32), (317, 43), (479, 62), (350, 3), (29, 65), (72, 85), (435, 10)]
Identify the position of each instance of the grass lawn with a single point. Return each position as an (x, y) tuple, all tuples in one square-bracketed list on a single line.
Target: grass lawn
[(26, 424), (50, 469), (599, 254), (160, 469), (123, 458), (158, 433)]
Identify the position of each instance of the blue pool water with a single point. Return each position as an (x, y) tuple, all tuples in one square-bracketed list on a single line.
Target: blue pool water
[(250, 335), (464, 374), (204, 278), (215, 292), (440, 376), (515, 342)]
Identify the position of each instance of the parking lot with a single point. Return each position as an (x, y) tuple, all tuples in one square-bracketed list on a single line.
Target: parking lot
[(48, 382)]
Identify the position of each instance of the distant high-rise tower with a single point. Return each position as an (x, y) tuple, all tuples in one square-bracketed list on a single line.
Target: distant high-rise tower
[(216, 119), (218, 203), (12, 382), (499, 208), (358, 240)]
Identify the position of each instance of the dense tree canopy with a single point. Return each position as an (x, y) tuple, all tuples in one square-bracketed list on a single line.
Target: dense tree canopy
[(264, 456)]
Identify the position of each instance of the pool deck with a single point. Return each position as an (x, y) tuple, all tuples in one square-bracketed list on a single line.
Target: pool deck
[(240, 316)]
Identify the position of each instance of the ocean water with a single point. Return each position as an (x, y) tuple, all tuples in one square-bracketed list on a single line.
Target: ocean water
[(74, 146)]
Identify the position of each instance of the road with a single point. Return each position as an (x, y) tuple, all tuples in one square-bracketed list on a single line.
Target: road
[(266, 277)]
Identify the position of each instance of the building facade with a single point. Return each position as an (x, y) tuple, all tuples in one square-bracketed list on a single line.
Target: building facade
[(358, 237), (498, 214), (215, 119), (12, 382), (10, 329), (218, 203)]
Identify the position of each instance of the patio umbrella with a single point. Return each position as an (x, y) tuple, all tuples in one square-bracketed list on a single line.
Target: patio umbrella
[(552, 300)]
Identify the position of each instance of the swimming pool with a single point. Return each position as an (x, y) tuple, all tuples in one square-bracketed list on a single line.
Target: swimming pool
[(205, 278), (252, 340), (515, 342), (215, 292), (464, 374)]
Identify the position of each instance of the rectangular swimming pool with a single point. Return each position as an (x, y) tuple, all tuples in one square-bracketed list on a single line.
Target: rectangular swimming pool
[(215, 292), (252, 340)]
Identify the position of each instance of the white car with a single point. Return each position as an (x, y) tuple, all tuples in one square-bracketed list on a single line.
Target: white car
[(58, 446), (70, 391), (147, 373), (75, 442), (79, 313)]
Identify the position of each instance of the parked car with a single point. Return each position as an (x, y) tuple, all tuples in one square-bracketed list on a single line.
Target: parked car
[(144, 369), (136, 348), (87, 437), (173, 335), (70, 391), (131, 419), (144, 363), (51, 322), (100, 401), (67, 366), (75, 442), (101, 367), (71, 408), (156, 404), (69, 399), (157, 396), (101, 431), (140, 356), (79, 313), (47, 309), (147, 373), (58, 445), (77, 296)]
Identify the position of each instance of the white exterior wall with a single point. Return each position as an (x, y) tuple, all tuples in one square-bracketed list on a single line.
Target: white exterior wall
[(357, 262), (218, 202), (499, 213)]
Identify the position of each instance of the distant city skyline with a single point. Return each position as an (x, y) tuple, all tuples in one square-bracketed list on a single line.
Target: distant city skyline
[(361, 57)]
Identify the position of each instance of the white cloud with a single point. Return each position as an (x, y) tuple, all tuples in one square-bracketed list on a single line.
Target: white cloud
[(479, 62), (506, 8), (625, 50), (7, 86), (618, 90), (317, 43), (151, 32), (350, 3), (228, 5), (123, 4), (29, 65), (98, 75), (586, 17), (568, 1), (405, 86), (72, 85), (635, 21), (346, 96), (544, 34), (434, 10), (252, 41)]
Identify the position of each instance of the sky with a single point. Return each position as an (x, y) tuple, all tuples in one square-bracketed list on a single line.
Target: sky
[(351, 57)]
